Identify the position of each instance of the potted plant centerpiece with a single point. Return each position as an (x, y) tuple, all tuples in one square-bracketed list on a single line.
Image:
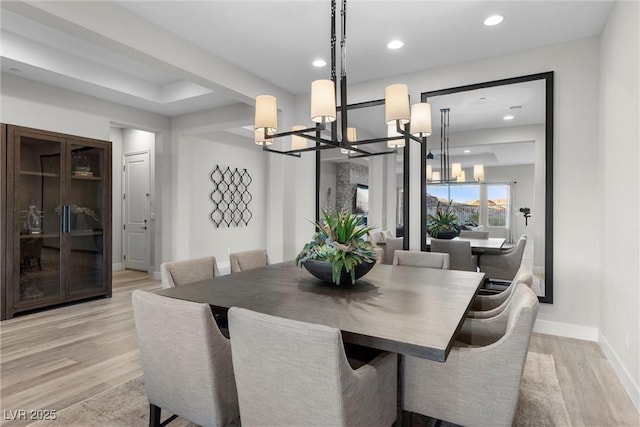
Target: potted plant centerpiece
[(444, 224), (339, 251)]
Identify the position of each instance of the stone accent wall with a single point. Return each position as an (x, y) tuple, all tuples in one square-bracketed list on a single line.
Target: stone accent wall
[(348, 175)]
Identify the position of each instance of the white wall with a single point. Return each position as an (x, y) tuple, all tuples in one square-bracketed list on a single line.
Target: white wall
[(198, 234), (327, 181), (522, 195), (618, 196)]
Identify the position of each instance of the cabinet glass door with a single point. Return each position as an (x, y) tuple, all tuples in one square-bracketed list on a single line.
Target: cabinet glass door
[(86, 219), (37, 208)]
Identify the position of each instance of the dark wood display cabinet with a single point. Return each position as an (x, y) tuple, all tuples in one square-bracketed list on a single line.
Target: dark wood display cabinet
[(56, 219)]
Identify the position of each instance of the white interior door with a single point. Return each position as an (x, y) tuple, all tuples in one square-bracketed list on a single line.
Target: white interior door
[(136, 211)]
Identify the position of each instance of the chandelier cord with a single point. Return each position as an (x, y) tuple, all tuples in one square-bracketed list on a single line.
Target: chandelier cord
[(343, 75)]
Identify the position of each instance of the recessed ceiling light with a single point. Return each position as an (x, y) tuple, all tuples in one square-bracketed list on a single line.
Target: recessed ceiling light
[(467, 151), (493, 20), (395, 44), (319, 63), (508, 117)]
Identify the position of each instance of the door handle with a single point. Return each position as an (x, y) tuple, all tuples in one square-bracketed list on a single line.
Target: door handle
[(68, 219)]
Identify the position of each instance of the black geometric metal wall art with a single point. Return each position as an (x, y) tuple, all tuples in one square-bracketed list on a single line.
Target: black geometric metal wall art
[(230, 197)]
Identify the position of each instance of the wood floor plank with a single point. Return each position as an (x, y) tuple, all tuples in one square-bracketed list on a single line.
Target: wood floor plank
[(55, 358)]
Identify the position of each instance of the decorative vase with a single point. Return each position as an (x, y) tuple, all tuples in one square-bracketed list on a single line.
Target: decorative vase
[(446, 234), (323, 270)]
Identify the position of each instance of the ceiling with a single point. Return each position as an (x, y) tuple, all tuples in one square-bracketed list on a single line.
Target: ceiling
[(271, 42)]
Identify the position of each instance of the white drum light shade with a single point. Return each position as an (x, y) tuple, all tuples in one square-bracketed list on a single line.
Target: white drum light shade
[(352, 136), (421, 119), (462, 177), (323, 101), (266, 113), (478, 172), (429, 172), (456, 170), (298, 142), (396, 104), (392, 132), (260, 139)]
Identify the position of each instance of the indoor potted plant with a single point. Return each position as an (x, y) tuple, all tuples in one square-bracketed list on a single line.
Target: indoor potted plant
[(339, 251), (444, 224)]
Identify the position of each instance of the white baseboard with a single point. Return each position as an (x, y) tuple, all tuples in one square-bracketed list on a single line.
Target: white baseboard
[(118, 266), (156, 275), (568, 330), (623, 374)]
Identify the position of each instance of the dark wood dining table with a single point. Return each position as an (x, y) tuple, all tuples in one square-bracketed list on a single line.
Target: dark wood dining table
[(407, 310)]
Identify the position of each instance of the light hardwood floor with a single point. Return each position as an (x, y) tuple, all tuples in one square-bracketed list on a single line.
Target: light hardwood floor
[(55, 358)]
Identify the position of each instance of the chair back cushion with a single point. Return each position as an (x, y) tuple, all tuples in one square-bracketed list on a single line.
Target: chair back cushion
[(247, 260), (459, 251), (285, 364), (186, 361), (179, 273), (472, 234), (505, 264), (476, 386), (421, 259), (296, 373), (486, 306)]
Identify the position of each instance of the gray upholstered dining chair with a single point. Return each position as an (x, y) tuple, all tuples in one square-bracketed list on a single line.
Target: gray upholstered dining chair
[(503, 265), (186, 361), (188, 271), (389, 244), (465, 389), (459, 252), (473, 234), (421, 259), (247, 260), (295, 373), (485, 306)]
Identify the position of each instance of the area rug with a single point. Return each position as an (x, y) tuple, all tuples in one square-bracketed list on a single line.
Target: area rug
[(540, 403)]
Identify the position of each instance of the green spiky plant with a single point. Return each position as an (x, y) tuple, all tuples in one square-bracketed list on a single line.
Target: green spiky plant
[(443, 220), (340, 240)]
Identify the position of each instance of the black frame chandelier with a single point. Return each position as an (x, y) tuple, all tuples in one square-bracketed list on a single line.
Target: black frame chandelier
[(449, 172), (404, 122)]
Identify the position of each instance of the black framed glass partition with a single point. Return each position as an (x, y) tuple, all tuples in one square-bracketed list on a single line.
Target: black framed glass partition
[(495, 164)]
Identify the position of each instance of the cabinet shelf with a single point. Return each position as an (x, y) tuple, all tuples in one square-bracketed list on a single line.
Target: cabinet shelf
[(86, 233), (39, 236), (86, 178), (35, 173)]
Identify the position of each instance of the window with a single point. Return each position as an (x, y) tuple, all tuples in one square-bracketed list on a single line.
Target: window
[(465, 201), (498, 205), (474, 204)]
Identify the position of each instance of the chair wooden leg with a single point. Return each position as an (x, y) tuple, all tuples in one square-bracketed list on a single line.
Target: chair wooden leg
[(154, 415)]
